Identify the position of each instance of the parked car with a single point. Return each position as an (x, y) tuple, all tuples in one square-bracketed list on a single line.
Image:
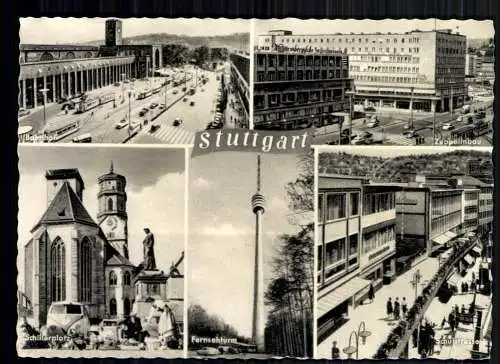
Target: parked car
[(121, 124), (191, 103), (110, 330), (116, 84), (143, 112), (69, 316), (411, 133), (22, 112), (161, 107), (154, 128), (177, 122), (175, 92), (153, 105), (370, 109), (207, 350), (363, 138), (185, 99), (447, 126), (372, 123)]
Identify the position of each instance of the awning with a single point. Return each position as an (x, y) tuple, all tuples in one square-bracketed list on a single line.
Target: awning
[(468, 259), (454, 279), (341, 294), (441, 239), (451, 234)]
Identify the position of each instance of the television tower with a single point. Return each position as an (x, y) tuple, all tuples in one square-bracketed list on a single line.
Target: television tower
[(258, 208)]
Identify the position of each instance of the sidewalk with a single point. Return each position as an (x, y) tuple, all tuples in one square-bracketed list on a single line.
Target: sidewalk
[(460, 347), (374, 313)]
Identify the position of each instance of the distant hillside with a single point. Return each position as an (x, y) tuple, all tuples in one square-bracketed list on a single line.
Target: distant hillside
[(393, 169), (236, 40), (478, 43)]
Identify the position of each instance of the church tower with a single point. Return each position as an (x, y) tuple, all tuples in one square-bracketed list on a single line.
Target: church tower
[(112, 210)]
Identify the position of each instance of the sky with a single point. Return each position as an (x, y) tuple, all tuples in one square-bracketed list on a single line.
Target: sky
[(221, 229), (76, 30), (388, 151), (155, 189), (470, 28)]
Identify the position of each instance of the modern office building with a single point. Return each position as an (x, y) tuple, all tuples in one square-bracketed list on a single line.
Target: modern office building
[(356, 244), (428, 216), (240, 80), (418, 69), (295, 88)]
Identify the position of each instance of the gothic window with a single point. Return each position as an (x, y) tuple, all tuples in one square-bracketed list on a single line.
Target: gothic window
[(85, 273), (110, 204), (112, 307), (126, 279), (126, 307), (58, 267), (113, 279), (46, 56)]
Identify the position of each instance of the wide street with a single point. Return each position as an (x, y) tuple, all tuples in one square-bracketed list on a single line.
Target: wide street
[(194, 117), (196, 111), (392, 126), (374, 313)]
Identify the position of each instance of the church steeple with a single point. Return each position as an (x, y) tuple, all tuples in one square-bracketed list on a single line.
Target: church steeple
[(112, 210)]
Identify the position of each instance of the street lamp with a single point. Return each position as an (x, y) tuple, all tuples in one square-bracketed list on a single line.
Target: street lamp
[(351, 94), (361, 333), (451, 96), (44, 92), (410, 126)]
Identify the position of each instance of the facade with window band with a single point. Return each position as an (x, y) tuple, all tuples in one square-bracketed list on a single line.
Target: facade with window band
[(356, 244), (294, 89), (420, 70), (240, 79)]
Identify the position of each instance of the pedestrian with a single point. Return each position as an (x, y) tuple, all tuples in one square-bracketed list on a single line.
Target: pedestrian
[(371, 293), (473, 276), (404, 307), (456, 310), (396, 309), (473, 286), (463, 309), (389, 308), (443, 323), (335, 351), (466, 287), (462, 287)]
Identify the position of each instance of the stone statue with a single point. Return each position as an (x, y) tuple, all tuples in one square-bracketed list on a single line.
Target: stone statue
[(148, 243)]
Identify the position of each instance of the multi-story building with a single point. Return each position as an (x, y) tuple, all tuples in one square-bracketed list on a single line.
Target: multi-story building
[(240, 79), (419, 69), (428, 216), (470, 64), (49, 73), (294, 88), (355, 246)]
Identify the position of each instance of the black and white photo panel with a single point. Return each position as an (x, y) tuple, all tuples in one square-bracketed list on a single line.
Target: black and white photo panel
[(404, 253), (101, 237), (424, 82)]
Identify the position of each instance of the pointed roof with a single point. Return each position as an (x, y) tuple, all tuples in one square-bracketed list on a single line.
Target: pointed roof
[(118, 259), (66, 207)]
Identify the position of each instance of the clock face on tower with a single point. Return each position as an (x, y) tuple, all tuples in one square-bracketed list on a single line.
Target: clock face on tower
[(112, 222)]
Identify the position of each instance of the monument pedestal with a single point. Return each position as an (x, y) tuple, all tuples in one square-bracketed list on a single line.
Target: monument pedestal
[(150, 285)]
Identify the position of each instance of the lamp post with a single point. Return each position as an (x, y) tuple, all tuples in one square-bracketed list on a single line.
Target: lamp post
[(435, 100), (451, 96), (129, 110), (351, 94), (124, 75), (410, 126), (361, 333), (44, 92)]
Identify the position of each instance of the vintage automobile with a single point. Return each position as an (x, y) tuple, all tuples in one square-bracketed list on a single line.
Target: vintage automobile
[(208, 351), (69, 317)]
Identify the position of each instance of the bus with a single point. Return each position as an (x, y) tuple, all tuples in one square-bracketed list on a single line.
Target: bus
[(86, 105), (463, 133), (144, 95), (480, 127), (59, 129), (244, 348), (106, 98)]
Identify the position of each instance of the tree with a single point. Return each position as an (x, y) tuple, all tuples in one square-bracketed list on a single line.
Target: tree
[(201, 55), (290, 291)]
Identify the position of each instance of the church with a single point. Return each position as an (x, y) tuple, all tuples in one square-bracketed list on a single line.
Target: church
[(73, 258)]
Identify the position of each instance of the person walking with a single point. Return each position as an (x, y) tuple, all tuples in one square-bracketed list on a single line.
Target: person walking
[(397, 309), (389, 308), (371, 293), (443, 323), (335, 351), (404, 307)]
